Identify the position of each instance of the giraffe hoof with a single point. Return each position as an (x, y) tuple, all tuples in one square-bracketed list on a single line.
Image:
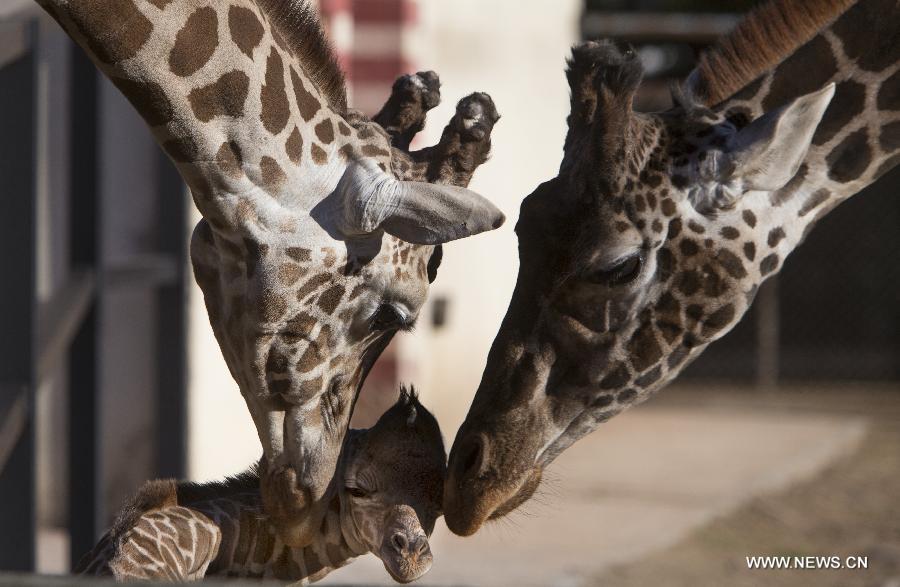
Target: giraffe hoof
[(475, 117)]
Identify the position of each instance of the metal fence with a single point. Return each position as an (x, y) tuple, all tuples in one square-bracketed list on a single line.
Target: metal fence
[(56, 338)]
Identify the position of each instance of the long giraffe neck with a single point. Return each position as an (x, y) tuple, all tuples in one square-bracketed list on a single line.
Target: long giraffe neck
[(251, 546), (219, 86), (857, 140)]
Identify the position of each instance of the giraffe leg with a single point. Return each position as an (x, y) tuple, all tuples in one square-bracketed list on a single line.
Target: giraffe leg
[(464, 145), (403, 115)]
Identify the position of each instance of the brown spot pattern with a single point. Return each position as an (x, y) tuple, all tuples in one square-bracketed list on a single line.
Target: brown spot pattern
[(374, 151), (718, 320), (224, 97), (294, 146), (273, 306), (889, 138), (889, 94), (298, 254), (616, 378), (312, 284), (792, 77), (850, 158), (229, 159), (306, 102), (148, 98), (182, 149), (732, 264), (245, 28), (768, 264), (750, 250), (275, 107), (643, 348), (776, 235), (111, 43), (325, 131), (749, 218), (319, 156), (730, 232), (331, 298), (848, 103), (272, 175), (195, 43)]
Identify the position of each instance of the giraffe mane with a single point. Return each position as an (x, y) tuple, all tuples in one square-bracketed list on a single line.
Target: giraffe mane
[(246, 482), (153, 495), (767, 35), (299, 25)]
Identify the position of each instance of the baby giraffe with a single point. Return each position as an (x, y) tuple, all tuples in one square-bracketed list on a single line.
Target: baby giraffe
[(385, 498)]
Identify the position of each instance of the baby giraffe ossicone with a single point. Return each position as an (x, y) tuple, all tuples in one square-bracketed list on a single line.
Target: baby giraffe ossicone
[(385, 498)]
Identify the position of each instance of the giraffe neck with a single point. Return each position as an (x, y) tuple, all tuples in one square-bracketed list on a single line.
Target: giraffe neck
[(855, 143), (218, 85), (859, 136), (251, 546)]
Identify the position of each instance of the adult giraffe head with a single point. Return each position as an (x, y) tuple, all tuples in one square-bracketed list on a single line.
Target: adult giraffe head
[(655, 235), (316, 245)]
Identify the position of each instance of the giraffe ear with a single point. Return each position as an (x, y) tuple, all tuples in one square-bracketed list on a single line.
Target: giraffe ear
[(767, 153), (419, 213), (431, 214)]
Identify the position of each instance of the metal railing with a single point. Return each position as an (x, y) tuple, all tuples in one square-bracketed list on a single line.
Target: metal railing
[(40, 337)]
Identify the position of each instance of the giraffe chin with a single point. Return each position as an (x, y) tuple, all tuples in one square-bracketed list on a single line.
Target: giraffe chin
[(295, 515), (406, 568), (467, 509)]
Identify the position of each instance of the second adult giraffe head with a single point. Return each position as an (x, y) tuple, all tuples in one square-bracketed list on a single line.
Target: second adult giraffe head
[(653, 239), (315, 247)]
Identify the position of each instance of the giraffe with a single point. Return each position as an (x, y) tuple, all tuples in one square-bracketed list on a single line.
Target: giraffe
[(654, 237), (319, 238), (384, 499)]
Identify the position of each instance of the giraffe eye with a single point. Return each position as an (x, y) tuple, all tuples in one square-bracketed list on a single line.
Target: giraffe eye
[(386, 318), (356, 491), (623, 272)]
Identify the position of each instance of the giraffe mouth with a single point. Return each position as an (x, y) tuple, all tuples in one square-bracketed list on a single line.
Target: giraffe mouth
[(405, 564), (468, 507)]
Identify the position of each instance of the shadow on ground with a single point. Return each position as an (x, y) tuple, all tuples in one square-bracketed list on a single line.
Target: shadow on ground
[(852, 508)]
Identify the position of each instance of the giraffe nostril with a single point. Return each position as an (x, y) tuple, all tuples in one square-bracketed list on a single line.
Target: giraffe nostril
[(474, 457), (400, 543), (420, 546)]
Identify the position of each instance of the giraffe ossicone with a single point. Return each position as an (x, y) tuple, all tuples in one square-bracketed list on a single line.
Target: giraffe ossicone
[(384, 499), (656, 234), (305, 277)]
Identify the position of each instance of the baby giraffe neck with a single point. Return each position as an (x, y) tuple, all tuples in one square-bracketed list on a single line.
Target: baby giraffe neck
[(251, 546)]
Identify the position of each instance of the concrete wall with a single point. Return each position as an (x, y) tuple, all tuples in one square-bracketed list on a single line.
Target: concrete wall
[(515, 51)]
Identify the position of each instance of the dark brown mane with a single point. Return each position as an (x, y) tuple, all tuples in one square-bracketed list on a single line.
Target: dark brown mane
[(764, 38), (153, 495), (298, 25), (192, 493)]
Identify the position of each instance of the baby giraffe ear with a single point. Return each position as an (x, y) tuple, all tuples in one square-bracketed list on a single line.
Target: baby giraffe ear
[(766, 153), (419, 213)]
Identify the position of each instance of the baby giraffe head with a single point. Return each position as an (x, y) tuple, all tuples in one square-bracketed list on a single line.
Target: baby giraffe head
[(391, 487)]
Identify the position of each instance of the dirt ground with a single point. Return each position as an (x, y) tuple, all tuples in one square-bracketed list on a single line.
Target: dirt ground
[(850, 508)]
